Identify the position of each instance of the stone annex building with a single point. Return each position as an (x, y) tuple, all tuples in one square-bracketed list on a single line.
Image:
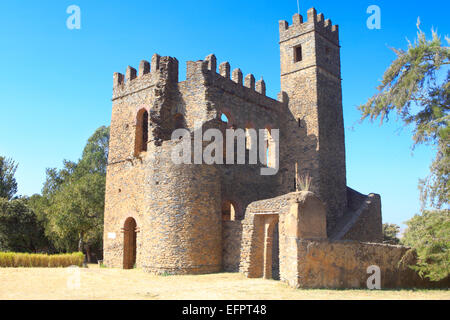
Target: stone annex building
[(200, 218)]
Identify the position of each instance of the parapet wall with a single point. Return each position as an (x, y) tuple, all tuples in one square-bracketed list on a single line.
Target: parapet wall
[(204, 87), (231, 82), (148, 76), (314, 21)]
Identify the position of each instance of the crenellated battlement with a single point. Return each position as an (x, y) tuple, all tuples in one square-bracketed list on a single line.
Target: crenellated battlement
[(166, 68), (234, 82), (315, 22), (148, 75), (236, 75)]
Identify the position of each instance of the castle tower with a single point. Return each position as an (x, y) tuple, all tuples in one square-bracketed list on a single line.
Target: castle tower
[(311, 78), (160, 216)]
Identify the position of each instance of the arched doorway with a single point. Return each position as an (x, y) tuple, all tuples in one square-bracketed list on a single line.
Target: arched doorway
[(271, 247), (129, 243)]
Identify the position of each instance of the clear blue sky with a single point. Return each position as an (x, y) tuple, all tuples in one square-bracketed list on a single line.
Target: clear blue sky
[(56, 83)]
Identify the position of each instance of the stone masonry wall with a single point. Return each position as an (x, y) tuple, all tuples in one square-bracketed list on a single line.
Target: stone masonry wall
[(343, 264), (307, 220), (362, 221), (231, 242)]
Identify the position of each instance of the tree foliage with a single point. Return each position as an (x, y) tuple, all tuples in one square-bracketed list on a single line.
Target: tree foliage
[(95, 153), (411, 87), (8, 184), (76, 212), (429, 234), (72, 201), (20, 230), (390, 232)]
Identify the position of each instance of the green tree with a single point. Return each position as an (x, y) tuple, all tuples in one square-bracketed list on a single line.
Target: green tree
[(8, 184), (20, 230), (411, 87), (390, 232), (429, 234), (95, 153), (72, 201), (76, 211), (55, 178)]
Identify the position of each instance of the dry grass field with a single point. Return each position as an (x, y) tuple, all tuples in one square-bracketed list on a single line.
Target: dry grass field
[(105, 283)]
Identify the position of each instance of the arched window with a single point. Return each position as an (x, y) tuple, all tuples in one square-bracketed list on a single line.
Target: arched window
[(270, 152), (226, 117), (249, 140), (228, 211), (141, 139)]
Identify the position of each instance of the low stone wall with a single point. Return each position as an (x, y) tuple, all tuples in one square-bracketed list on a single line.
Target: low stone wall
[(343, 264)]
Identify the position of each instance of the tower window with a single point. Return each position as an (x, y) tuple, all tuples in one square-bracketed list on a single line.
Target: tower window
[(224, 118), (298, 53), (141, 139)]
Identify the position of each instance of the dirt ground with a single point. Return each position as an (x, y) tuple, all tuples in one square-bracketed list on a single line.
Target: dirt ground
[(105, 283)]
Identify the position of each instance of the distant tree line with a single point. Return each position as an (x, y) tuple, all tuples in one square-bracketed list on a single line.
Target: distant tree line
[(68, 215)]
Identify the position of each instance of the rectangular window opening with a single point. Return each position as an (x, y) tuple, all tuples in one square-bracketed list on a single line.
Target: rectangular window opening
[(298, 53)]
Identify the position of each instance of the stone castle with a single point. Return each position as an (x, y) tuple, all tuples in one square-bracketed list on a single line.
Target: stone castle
[(200, 218)]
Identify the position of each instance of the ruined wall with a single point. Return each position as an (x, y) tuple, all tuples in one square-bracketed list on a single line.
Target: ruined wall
[(297, 214), (369, 226), (362, 221), (343, 264)]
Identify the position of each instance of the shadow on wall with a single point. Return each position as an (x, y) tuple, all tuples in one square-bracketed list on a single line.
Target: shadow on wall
[(231, 240)]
